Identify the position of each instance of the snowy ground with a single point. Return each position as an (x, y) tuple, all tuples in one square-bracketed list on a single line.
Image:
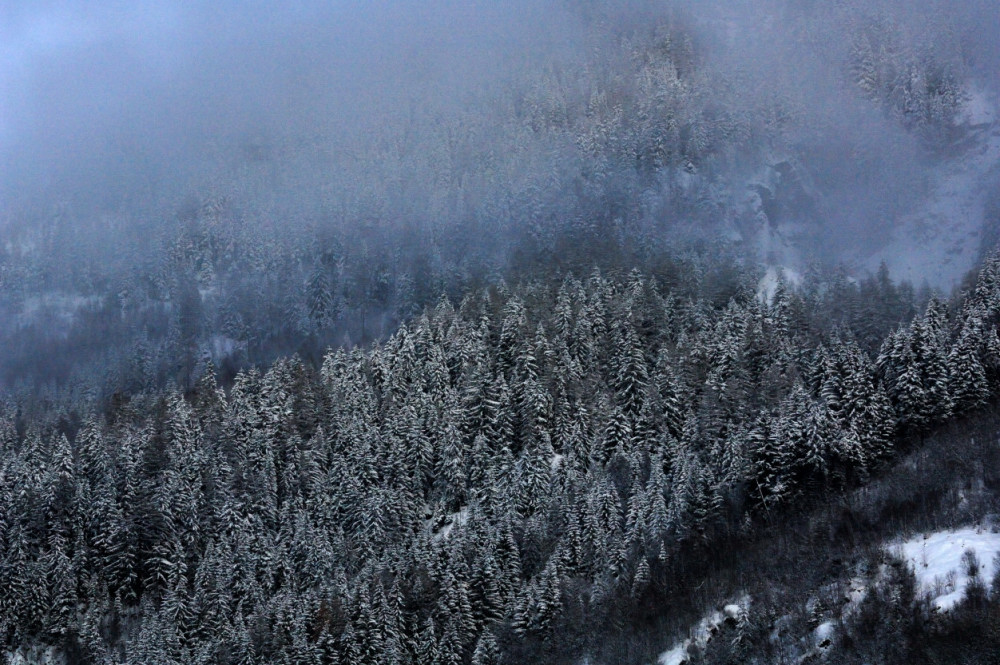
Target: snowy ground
[(936, 560), (702, 634), (451, 521), (675, 656), (35, 656), (824, 633), (940, 242)]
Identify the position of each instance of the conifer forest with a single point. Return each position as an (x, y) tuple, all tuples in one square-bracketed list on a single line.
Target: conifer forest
[(575, 332)]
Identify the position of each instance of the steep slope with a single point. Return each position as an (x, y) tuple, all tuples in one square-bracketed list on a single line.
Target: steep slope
[(881, 575), (939, 242)]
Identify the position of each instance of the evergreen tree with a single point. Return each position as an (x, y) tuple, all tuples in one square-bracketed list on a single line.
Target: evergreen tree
[(426, 650), (630, 370), (487, 651), (969, 386)]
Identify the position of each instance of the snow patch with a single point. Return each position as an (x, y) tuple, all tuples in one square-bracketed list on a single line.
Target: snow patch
[(676, 656), (702, 633), (557, 461), (707, 629), (451, 521), (824, 634), (35, 656), (857, 588), (936, 560)]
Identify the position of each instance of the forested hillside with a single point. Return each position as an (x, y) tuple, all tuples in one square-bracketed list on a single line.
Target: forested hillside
[(506, 479), (586, 332)]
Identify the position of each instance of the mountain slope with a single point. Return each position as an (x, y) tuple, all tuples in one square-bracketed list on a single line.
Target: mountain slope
[(940, 241)]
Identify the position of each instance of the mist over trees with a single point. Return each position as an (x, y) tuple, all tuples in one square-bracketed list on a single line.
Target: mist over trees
[(474, 333), (319, 180)]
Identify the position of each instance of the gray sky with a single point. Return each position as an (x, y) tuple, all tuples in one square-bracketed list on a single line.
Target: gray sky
[(92, 94)]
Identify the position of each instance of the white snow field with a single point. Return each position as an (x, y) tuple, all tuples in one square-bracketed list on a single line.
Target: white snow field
[(936, 559)]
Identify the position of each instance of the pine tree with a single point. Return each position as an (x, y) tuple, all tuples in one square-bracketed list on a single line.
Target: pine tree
[(450, 647), (820, 429), (658, 519), (854, 457), (92, 643), (451, 467), (631, 374), (62, 501), (791, 438), (771, 464), (904, 377), (635, 520), (641, 579), (95, 463), (426, 650), (969, 387), (487, 651), (929, 339), (320, 300), (617, 437), (62, 589)]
